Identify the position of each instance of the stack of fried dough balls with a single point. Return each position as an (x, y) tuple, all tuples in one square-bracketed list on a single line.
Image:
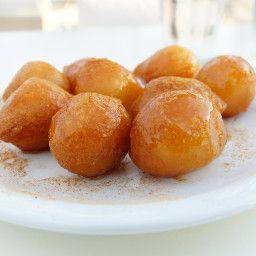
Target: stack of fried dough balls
[(88, 133), (95, 111)]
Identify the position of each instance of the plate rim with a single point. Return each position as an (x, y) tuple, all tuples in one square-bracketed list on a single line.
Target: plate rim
[(117, 219)]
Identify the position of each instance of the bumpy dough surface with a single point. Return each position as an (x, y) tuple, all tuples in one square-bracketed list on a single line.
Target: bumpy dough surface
[(105, 77), (169, 61), (26, 115), (90, 135), (233, 79), (39, 69), (176, 132)]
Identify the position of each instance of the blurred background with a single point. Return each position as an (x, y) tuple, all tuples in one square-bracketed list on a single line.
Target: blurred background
[(214, 26), (69, 14)]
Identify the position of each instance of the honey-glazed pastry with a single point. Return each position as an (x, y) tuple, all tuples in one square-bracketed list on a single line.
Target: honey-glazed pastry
[(90, 135), (175, 133), (26, 115), (173, 83), (39, 69), (170, 61), (232, 79), (105, 77)]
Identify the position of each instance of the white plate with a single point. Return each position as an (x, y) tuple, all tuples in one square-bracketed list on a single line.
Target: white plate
[(36, 192)]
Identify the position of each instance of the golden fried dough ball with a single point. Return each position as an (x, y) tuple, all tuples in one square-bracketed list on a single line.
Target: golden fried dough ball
[(71, 70), (233, 79), (135, 107), (90, 135), (169, 61), (173, 83), (26, 115), (176, 132), (38, 69), (105, 77)]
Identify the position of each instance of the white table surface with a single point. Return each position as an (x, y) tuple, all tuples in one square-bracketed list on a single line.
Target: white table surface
[(233, 236)]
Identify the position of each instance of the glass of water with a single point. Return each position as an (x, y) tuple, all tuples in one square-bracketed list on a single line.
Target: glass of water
[(191, 23)]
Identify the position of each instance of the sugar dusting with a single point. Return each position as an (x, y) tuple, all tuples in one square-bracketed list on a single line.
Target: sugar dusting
[(121, 185), (11, 162)]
